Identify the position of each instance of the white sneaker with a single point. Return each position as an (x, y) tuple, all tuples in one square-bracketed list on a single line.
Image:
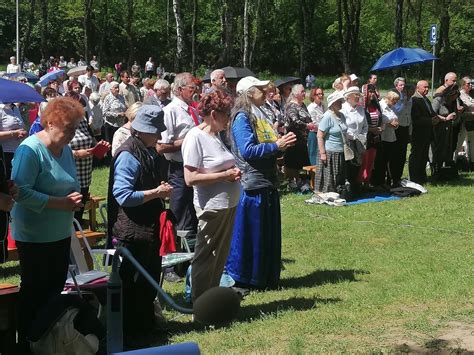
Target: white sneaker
[(305, 188)]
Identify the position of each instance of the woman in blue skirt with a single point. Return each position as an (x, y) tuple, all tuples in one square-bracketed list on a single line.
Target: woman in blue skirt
[(255, 254)]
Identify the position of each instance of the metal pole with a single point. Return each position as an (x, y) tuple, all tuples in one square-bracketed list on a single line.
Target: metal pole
[(18, 33), (432, 72)]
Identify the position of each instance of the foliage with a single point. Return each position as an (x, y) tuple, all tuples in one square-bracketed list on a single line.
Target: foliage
[(275, 28)]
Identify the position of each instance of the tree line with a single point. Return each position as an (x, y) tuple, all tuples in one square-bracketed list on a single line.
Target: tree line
[(280, 37)]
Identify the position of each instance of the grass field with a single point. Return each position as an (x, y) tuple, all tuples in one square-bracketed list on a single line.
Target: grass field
[(383, 277)]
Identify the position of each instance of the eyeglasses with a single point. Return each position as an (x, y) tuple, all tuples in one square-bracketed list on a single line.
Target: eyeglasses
[(320, 94)]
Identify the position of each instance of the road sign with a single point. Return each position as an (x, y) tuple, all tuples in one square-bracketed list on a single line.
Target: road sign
[(433, 34)]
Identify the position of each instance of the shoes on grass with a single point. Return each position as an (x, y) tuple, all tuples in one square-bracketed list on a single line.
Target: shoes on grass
[(171, 276)]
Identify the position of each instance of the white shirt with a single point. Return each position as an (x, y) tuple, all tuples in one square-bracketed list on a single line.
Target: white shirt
[(13, 68), (208, 154), (316, 111), (10, 119), (149, 66), (178, 122), (91, 82), (357, 126), (388, 134)]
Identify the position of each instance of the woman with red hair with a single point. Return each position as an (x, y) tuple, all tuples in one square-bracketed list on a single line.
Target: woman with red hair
[(210, 168)]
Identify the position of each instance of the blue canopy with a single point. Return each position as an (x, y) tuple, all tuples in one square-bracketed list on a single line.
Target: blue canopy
[(401, 57), (54, 75), (14, 91)]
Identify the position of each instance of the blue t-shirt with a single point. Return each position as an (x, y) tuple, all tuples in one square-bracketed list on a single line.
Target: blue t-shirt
[(39, 174), (333, 137)]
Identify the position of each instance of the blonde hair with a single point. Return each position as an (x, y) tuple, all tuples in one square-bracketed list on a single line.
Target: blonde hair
[(132, 111), (392, 96)]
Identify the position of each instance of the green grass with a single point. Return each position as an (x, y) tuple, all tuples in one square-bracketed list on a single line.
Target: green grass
[(365, 278)]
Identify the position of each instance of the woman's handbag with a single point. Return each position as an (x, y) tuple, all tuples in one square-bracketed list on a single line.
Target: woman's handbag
[(348, 152)]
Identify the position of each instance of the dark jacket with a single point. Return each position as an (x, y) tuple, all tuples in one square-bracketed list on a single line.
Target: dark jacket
[(421, 114), (140, 223)]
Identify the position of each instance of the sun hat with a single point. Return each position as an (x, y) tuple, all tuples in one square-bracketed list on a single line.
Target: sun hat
[(351, 90), (249, 81), (335, 96), (353, 77), (149, 119)]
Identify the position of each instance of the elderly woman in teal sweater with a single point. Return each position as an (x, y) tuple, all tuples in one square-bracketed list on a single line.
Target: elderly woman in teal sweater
[(45, 172)]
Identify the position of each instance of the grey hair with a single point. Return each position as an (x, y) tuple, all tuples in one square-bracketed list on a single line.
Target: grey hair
[(392, 95), (94, 98), (181, 80), (215, 73), (465, 79), (397, 80), (114, 84), (449, 74), (161, 84), (294, 90), (243, 101)]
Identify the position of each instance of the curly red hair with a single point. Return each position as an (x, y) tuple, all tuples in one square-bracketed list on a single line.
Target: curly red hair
[(62, 109), (217, 100)]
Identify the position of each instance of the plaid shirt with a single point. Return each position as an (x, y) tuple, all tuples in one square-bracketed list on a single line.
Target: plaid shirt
[(83, 140)]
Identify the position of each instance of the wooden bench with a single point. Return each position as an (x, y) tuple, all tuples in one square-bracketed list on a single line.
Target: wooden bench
[(92, 206), (8, 308), (311, 169), (92, 238)]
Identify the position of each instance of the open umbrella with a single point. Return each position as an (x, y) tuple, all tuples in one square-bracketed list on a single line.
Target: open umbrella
[(232, 73), (76, 71), (287, 80), (14, 91), (51, 76), (401, 57), (32, 78)]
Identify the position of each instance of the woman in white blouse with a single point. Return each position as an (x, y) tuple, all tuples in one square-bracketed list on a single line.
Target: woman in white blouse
[(386, 154), (210, 168), (12, 132), (316, 109)]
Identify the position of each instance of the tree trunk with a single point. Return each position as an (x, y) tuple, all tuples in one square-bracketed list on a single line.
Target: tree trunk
[(306, 10), (399, 24), (44, 29), (245, 58), (348, 17), (104, 29), (179, 35), (26, 42), (416, 7), (193, 36), (87, 26), (129, 33), (256, 31), (443, 45), (227, 35)]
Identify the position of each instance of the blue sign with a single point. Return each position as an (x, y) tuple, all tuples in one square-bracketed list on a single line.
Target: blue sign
[(433, 35)]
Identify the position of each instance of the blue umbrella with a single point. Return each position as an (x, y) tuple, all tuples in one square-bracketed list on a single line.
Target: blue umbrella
[(51, 76), (401, 57), (14, 91), (32, 78)]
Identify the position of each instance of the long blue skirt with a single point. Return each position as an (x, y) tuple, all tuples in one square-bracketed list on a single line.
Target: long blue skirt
[(255, 252)]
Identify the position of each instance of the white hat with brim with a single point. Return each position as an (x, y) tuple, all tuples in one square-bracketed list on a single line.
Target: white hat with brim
[(351, 90), (249, 81), (335, 96), (353, 77)]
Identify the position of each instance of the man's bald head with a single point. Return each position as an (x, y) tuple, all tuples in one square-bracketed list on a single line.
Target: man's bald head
[(422, 87)]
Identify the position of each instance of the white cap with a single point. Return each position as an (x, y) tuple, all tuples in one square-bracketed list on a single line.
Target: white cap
[(351, 90), (353, 77), (335, 96), (249, 81)]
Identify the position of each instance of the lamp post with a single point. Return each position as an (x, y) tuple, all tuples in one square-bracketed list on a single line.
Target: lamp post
[(18, 33)]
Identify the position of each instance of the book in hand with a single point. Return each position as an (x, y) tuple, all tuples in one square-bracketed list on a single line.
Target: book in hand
[(100, 150)]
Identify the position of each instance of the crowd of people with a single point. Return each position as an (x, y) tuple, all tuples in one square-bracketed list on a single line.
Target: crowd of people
[(214, 150)]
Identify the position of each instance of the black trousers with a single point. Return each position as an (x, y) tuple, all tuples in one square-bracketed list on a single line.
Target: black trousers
[(399, 154), (43, 269), (419, 156), (109, 131), (181, 200), (138, 294), (85, 197), (383, 163)]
